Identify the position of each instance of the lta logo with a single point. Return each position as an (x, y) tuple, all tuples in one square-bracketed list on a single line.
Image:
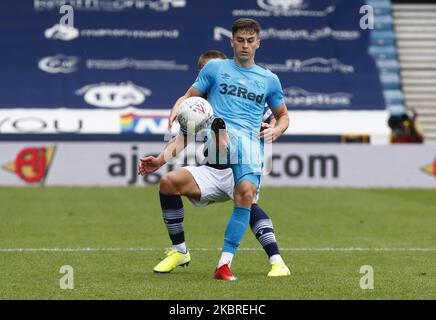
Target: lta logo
[(31, 164)]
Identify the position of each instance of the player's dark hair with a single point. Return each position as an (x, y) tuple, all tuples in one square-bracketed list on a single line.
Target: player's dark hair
[(246, 24), (211, 54)]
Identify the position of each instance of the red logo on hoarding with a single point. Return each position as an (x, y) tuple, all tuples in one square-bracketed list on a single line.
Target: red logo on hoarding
[(431, 168), (31, 164)]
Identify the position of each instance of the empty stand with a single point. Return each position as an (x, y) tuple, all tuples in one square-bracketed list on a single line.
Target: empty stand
[(415, 26)]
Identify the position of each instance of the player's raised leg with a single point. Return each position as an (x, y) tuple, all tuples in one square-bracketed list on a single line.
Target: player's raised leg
[(172, 186), (263, 230)]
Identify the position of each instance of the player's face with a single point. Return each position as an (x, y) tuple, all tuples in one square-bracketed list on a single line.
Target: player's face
[(245, 43)]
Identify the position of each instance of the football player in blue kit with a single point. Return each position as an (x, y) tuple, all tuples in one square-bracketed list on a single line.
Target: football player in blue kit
[(238, 90), (202, 185)]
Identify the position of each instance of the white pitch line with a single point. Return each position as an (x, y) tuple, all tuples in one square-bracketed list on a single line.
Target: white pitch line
[(350, 249)]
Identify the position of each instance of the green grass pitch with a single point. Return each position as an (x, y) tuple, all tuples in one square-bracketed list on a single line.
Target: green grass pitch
[(326, 235)]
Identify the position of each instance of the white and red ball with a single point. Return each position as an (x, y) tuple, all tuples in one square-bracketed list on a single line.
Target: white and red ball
[(195, 114)]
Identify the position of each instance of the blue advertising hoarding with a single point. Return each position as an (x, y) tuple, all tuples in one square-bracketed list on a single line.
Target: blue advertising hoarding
[(143, 53)]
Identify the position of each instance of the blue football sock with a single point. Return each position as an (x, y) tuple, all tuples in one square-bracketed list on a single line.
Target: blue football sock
[(235, 229)]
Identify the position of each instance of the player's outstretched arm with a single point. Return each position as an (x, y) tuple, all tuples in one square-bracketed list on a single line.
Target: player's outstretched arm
[(192, 92), (150, 164)]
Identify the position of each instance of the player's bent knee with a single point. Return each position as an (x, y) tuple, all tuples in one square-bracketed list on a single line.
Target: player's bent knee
[(176, 183), (167, 185), (245, 194)]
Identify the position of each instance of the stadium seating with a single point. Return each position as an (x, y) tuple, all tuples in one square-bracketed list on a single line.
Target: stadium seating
[(383, 49), (415, 26)]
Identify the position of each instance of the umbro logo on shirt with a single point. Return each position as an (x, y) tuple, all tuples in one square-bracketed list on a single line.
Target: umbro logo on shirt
[(225, 76)]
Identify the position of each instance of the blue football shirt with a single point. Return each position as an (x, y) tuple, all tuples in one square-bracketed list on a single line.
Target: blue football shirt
[(238, 95)]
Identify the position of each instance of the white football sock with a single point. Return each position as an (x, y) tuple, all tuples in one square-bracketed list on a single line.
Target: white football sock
[(181, 247), (226, 258), (276, 258)]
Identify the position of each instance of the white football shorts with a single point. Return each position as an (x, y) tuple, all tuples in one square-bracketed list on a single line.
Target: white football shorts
[(215, 185)]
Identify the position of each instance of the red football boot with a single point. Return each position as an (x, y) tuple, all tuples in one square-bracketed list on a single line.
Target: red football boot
[(224, 273)]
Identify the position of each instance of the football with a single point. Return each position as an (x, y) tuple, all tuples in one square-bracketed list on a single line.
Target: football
[(195, 114)]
